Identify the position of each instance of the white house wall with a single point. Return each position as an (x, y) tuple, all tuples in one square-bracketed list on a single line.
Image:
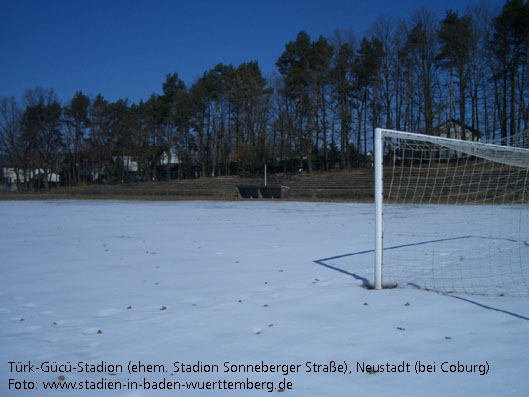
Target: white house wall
[(10, 176)]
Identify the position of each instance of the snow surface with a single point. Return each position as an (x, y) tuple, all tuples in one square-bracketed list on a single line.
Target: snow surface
[(239, 282)]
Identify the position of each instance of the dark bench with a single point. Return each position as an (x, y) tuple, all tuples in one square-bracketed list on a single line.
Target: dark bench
[(265, 192)]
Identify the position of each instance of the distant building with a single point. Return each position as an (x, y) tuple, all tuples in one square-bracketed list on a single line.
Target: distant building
[(456, 130), (128, 164), (11, 177), (171, 159)]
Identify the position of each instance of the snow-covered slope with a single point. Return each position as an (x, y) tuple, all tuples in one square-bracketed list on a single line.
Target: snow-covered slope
[(112, 287)]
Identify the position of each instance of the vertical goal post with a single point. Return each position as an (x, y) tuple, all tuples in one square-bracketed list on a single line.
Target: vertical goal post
[(471, 179), (379, 201)]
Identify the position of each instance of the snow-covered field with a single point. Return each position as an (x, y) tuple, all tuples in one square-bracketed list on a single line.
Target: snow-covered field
[(101, 294)]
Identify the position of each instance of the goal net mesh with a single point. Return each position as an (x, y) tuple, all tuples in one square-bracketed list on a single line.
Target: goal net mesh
[(456, 214)]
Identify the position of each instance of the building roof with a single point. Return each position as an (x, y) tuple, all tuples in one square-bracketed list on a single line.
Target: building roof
[(443, 128)]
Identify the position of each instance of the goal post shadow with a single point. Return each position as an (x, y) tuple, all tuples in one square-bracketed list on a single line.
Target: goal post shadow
[(366, 283), (364, 280)]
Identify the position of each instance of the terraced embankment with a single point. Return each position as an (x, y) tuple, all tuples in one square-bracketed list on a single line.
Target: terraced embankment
[(352, 185)]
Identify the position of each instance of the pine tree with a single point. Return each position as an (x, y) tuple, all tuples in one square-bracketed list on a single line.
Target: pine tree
[(455, 37)]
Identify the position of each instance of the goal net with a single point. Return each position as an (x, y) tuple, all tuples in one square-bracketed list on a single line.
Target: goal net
[(452, 215)]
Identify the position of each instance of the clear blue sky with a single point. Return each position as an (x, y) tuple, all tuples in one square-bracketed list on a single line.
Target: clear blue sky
[(125, 48)]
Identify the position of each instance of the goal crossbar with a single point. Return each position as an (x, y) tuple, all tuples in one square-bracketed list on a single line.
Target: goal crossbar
[(509, 155)]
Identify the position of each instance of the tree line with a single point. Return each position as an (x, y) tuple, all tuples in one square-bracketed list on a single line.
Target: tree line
[(318, 112)]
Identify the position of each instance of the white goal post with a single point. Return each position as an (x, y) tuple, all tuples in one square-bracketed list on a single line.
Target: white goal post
[(457, 210)]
